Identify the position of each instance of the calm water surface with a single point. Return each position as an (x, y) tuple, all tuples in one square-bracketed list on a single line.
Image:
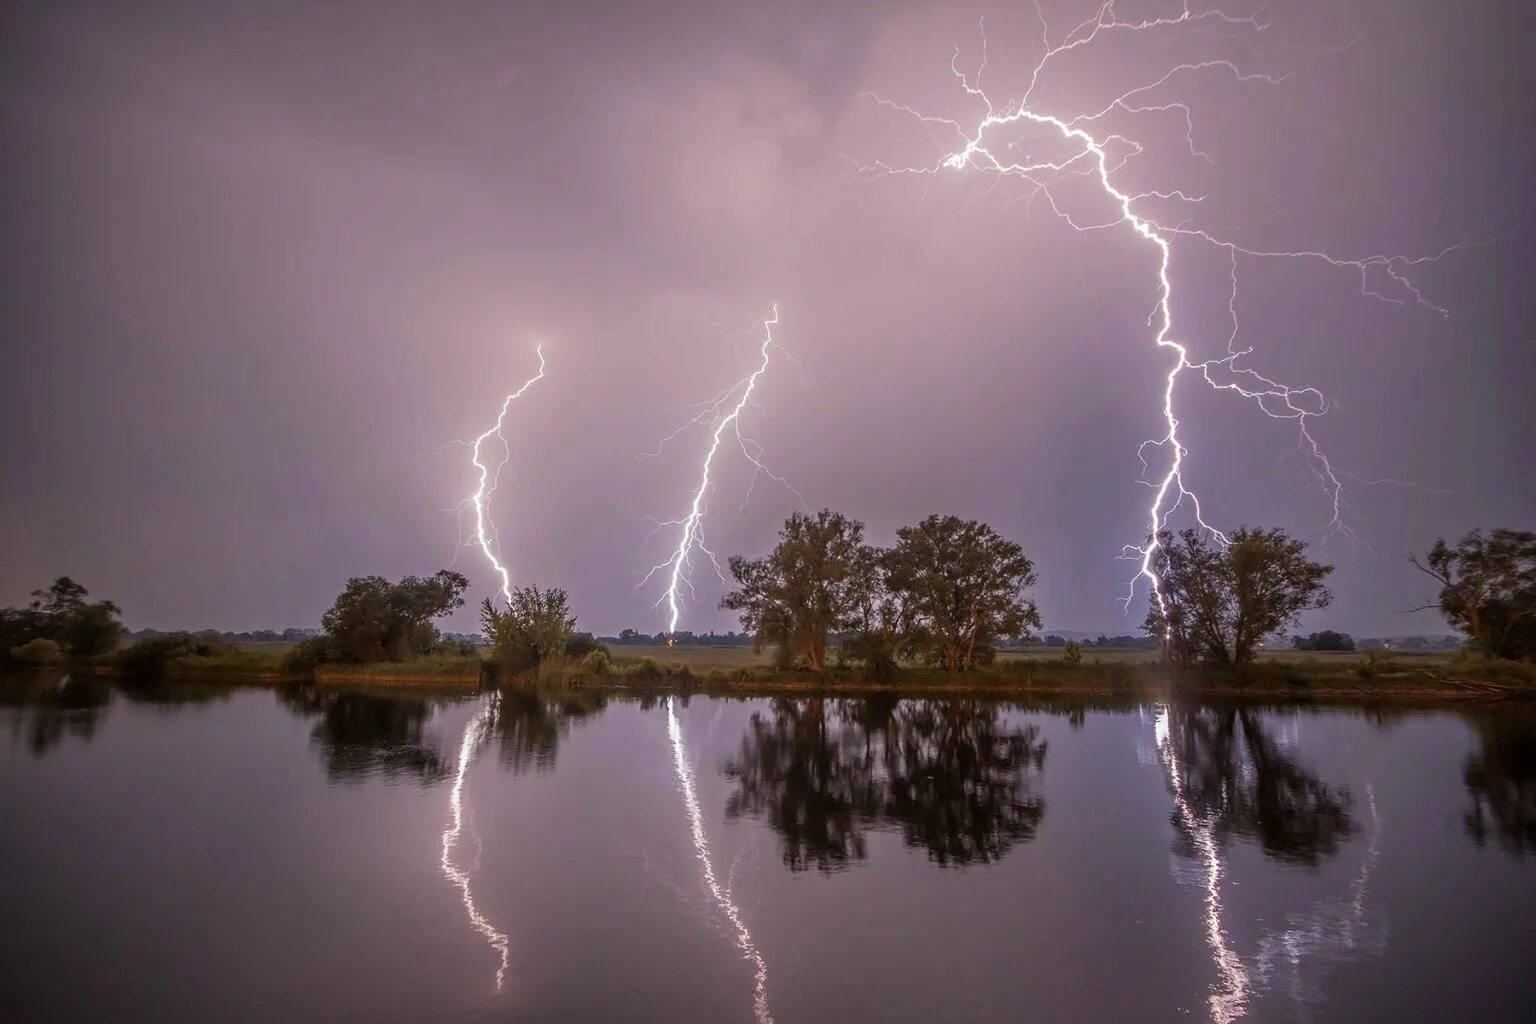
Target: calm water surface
[(197, 853)]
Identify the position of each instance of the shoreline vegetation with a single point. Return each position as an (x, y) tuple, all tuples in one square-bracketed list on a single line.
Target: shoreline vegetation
[(1342, 676), (947, 609)]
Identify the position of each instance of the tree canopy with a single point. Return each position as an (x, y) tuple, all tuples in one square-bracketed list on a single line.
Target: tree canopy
[(805, 589), (1488, 589), (376, 620), (61, 614), (963, 585), (535, 627), (1221, 599)]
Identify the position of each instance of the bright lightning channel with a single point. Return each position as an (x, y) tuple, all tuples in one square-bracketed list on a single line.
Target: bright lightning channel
[(474, 732), (1089, 157), (721, 895), (479, 501), (724, 411)]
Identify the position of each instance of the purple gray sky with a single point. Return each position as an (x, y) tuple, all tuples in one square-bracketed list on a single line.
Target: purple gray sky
[(261, 261)]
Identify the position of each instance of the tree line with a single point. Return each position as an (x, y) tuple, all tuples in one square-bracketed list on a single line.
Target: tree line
[(947, 594)]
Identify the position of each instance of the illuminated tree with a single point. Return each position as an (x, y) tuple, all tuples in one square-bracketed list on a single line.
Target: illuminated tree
[(1222, 600), (1488, 589)]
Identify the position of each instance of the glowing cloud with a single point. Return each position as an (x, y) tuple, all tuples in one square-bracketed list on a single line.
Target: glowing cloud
[(1097, 156)]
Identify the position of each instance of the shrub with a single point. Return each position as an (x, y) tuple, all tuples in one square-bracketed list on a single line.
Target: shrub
[(38, 651), (597, 663), (148, 657), (1072, 653)]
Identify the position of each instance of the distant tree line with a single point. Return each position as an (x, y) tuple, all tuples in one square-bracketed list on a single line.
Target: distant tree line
[(681, 638)]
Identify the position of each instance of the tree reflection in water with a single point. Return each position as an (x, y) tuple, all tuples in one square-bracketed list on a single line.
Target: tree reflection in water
[(52, 708), (951, 775), (1501, 779), (528, 725), (362, 735), (1234, 775), (1230, 777)]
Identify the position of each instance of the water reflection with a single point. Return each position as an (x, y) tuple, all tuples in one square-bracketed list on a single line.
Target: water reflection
[(951, 775), (469, 746), (1335, 932), (1238, 778), (362, 735), (528, 725), (1501, 778), (52, 708), (1229, 776), (721, 895)]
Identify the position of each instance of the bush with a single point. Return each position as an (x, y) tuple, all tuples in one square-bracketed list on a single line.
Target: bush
[(38, 651), (308, 655), (148, 657), (597, 663), (1072, 653), (1373, 664)]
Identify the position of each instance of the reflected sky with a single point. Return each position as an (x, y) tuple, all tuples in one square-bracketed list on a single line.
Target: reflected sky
[(329, 854)]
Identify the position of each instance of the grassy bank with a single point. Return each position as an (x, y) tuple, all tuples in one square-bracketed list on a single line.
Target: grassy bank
[(1343, 677)]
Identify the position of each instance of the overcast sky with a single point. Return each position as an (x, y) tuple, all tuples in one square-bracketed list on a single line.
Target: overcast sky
[(261, 263)]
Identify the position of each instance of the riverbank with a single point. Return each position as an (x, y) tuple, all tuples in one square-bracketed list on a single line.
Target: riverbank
[(1345, 679)]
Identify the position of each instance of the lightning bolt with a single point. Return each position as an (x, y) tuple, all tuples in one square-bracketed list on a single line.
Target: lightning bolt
[(474, 733), (479, 501), (1098, 155), (723, 413), (720, 893)]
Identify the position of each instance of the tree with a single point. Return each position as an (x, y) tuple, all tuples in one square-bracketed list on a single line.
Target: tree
[(375, 620), (1488, 589), (1219, 600), (534, 628), (1327, 640), (62, 614), (806, 589), (964, 585)]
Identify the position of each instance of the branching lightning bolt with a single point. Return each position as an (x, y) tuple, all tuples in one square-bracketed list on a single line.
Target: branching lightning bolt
[(1098, 156), (479, 502), (723, 412)]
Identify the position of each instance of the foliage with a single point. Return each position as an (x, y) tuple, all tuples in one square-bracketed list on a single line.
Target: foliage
[(963, 586), (375, 620), (1488, 589), (1327, 640), (61, 614), (148, 658), (1072, 653), (38, 651), (597, 663), (806, 589), (536, 627), (1220, 600)]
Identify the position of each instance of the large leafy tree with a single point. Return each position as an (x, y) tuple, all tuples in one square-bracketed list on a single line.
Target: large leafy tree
[(376, 620), (1221, 599), (805, 589), (1488, 589), (963, 586)]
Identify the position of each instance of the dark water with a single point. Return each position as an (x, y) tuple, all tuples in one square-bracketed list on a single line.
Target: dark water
[(199, 853)]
